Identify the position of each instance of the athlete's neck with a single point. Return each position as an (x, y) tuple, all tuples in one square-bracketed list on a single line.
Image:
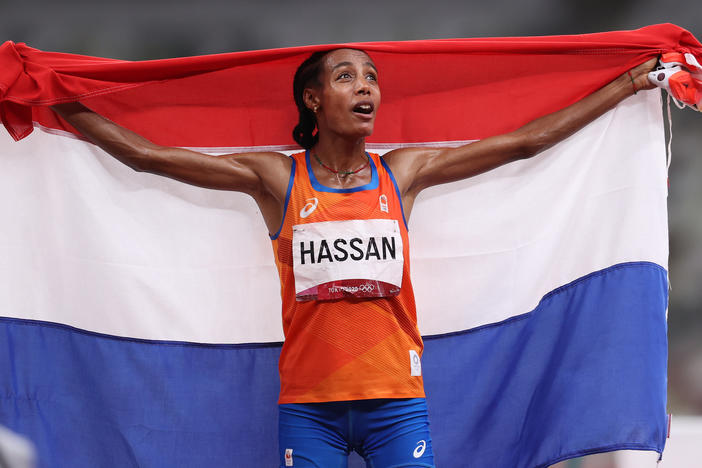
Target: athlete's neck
[(341, 154), (344, 160)]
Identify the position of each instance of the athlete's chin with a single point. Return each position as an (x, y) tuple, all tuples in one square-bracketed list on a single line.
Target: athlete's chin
[(357, 136), (366, 129), (357, 130)]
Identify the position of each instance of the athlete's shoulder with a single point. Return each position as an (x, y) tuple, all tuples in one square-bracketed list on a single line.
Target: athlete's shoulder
[(263, 157), (405, 164), (269, 171), (400, 155)]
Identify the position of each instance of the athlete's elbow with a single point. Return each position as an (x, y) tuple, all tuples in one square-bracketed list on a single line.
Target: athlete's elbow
[(529, 151), (529, 144), (143, 158)]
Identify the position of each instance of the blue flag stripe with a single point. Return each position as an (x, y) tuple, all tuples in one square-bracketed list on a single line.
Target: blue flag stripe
[(588, 364)]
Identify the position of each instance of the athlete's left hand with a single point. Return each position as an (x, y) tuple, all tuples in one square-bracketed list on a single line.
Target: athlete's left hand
[(640, 74)]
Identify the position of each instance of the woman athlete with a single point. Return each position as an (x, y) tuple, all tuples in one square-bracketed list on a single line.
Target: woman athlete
[(350, 368)]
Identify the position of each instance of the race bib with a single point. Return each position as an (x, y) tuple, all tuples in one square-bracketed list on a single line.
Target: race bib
[(354, 258)]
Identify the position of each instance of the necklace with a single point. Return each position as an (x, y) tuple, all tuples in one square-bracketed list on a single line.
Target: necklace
[(342, 174)]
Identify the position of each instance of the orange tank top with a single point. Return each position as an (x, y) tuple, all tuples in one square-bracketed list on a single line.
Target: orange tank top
[(349, 315)]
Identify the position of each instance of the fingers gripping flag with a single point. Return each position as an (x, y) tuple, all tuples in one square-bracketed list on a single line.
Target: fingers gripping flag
[(140, 319)]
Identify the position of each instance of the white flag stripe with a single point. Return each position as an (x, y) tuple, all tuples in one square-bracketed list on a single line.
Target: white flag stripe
[(90, 243), (504, 239)]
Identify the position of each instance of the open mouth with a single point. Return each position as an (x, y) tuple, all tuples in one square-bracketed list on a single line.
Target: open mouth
[(365, 108)]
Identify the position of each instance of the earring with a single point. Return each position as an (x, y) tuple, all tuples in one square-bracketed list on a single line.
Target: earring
[(315, 109)]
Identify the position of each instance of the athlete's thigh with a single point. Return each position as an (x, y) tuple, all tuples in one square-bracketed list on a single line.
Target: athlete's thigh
[(309, 436), (398, 436)]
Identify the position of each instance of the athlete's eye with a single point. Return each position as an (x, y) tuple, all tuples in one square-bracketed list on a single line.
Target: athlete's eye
[(343, 76), (371, 77)]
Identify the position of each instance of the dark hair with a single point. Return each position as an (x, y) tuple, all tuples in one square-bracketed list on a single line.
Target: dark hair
[(307, 75)]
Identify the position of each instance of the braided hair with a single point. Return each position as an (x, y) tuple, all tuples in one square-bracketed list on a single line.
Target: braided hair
[(307, 75)]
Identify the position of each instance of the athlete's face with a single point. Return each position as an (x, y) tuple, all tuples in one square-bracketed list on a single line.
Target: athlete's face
[(349, 96)]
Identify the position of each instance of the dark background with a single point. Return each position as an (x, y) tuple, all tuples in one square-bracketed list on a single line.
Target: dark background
[(139, 30)]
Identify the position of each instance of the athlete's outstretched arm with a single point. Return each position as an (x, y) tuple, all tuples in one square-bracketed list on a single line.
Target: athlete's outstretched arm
[(418, 168), (250, 173), (264, 176)]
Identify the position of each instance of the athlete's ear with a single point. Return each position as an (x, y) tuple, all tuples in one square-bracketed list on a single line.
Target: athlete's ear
[(310, 96)]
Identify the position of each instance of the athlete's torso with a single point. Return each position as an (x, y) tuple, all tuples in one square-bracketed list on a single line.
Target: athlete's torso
[(348, 307)]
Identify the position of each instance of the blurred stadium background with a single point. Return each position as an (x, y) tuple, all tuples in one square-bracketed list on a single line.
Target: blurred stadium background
[(153, 29)]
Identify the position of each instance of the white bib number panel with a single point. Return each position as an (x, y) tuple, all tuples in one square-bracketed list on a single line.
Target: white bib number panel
[(353, 258)]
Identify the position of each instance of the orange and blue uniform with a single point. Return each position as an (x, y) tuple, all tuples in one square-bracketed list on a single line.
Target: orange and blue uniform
[(349, 314), (350, 368)]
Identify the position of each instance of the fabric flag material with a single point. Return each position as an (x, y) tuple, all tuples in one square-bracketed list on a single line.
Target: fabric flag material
[(141, 316)]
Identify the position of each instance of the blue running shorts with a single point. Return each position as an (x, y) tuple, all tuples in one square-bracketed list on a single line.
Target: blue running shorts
[(388, 433)]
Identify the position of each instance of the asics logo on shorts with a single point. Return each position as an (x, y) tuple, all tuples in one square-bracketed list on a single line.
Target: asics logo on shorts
[(421, 447), (309, 207)]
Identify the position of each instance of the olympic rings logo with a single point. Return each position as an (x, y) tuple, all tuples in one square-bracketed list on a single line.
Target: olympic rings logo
[(364, 288)]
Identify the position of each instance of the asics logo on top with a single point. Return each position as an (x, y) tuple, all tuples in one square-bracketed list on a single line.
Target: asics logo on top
[(309, 207), (419, 451)]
